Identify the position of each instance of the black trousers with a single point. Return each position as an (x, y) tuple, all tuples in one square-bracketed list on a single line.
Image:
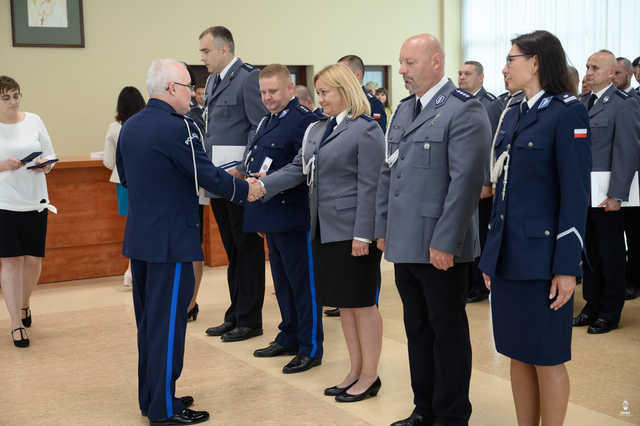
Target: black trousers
[(476, 282), (437, 330), (245, 273), (604, 284), (632, 230)]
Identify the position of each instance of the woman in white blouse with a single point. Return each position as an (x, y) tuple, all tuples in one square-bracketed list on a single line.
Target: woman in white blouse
[(130, 101), (24, 203)]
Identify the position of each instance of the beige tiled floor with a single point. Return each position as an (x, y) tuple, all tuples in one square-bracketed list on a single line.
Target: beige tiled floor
[(81, 366)]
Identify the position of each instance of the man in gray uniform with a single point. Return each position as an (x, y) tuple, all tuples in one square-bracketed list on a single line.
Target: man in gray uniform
[(622, 77), (233, 109), (614, 118), (471, 79), (427, 194)]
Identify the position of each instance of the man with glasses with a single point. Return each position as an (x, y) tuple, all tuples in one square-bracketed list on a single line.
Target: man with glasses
[(233, 110), (161, 162)]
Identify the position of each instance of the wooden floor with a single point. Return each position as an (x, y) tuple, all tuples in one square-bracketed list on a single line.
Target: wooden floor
[(81, 366)]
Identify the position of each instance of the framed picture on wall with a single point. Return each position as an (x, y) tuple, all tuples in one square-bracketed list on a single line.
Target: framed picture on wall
[(47, 23)]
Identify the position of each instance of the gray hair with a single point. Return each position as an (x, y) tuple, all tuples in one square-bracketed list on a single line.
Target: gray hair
[(161, 73)]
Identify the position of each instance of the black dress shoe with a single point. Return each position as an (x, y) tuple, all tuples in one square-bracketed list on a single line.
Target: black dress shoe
[(414, 419), (583, 319), (334, 312), (601, 326), (274, 349), (630, 293), (26, 321), (192, 315), (184, 417), (23, 342), (301, 363), (371, 391), (186, 400), (335, 390), (241, 333), (220, 330), (477, 296)]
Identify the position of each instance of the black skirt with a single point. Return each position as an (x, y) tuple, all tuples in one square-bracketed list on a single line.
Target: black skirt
[(22, 233), (343, 280)]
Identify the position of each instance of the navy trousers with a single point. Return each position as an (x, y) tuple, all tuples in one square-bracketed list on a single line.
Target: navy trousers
[(161, 295), (301, 326)]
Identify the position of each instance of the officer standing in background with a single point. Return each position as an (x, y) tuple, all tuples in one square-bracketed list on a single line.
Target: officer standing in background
[(356, 65), (428, 192), (574, 79), (471, 78), (615, 134), (306, 98), (161, 162), (232, 112), (285, 221)]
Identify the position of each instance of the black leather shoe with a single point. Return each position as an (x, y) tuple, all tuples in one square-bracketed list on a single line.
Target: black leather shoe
[(334, 312), (26, 321), (370, 392), (335, 390), (241, 333), (184, 417), (192, 315), (24, 338), (630, 293), (583, 319), (274, 349), (300, 363), (186, 400), (476, 296), (220, 330), (414, 419), (601, 326)]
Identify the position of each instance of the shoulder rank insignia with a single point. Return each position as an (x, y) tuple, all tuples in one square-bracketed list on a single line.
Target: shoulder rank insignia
[(283, 113), (567, 98), (248, 67), (545, 102), (463, 95), (367, 117), (303, 108), (622, 94), (490, 96)]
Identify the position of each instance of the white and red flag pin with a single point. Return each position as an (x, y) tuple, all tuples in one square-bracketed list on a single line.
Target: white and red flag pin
[(579, 133)]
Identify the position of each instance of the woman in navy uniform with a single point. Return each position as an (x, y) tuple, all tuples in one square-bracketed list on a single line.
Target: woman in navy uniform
[(533, 252)]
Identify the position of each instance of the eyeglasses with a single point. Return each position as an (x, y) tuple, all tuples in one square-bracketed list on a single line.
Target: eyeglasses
[(190, 86), (510, 58), (7, 98)]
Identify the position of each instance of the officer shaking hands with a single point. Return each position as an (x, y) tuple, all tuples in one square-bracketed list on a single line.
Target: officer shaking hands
[(161, 161)]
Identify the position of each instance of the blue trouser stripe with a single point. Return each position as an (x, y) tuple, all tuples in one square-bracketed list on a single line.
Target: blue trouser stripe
[(172, 331), (314, 306)]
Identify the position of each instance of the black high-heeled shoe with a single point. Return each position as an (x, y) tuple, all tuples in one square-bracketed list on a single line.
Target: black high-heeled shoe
[(26, 321), (192, 315), (24, 340), (371, 391)]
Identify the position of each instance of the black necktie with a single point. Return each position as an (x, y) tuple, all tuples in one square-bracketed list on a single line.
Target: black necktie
[(592, 100), (216, 81), (330, 127), (417, 108), (524, 108)]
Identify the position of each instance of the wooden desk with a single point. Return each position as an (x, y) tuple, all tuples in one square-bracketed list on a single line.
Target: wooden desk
[(84, 240)]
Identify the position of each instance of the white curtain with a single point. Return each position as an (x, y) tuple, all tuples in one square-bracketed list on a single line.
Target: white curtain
[(583, 27)]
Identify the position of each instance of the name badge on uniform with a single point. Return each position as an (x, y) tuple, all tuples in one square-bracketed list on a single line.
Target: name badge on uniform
[(392, 159), (266, 164)]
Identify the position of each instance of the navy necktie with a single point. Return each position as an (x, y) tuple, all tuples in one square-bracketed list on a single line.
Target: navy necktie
[(330, 127), (417, 108), (524, 108), (592, 100)]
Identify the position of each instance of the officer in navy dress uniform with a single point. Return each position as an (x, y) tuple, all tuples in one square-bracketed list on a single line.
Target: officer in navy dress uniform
[(541, 159), (356, 65), (305, 98), (427, 196), (614, 119), (471, 78), (285, 221), (161, 162), (232, 112)]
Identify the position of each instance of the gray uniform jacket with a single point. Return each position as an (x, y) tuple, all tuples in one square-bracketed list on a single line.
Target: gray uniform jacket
[(342, 172), (232, 112), (494, 107), (428, 195), (615, 139)]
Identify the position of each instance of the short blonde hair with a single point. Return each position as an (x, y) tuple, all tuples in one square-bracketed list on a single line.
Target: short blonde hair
[(275, 70), (339, 76)]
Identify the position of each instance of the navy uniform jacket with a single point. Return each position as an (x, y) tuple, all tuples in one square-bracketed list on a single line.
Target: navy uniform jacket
[(377, 110), (195, 113), (155, 162), (278, 137), (538, 229)]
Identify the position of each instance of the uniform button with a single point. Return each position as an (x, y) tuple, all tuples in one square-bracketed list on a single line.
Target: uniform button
[(283, 202), (501, 217), (397, 194), (580, 263), (530, 144), (402, 157), (399, 176), (489, 226), (427, 146), (547, 233), (273, 144), (251, 158)]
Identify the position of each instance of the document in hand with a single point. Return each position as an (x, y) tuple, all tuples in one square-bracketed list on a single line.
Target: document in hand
[(600, 187)]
